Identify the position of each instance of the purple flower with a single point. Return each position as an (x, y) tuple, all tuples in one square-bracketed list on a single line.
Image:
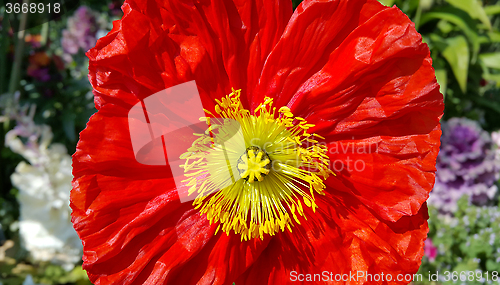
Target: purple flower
[(40, 74), (466, 165), (81, 31)]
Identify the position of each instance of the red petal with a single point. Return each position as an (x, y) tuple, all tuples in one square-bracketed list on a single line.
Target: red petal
[(315, 30), (342, 237), (248, 31), (137, 232), (379, 107), (221, 261), (105, 148), (391, 175), (220, 44), (132, 224), (365, 79), (127, 214), (379, 81)]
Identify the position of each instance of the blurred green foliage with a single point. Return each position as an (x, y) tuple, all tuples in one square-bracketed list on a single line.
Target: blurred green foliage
[(464, 40), (63, 101), (12, 273), (470, 241)]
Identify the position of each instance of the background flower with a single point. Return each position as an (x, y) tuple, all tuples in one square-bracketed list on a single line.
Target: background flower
[(466, 165), (82, 31), (44, 182), (430, 251), (467, 241)]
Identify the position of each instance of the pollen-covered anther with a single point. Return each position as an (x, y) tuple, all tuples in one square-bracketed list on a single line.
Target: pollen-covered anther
[(255, 172), (254, 164)]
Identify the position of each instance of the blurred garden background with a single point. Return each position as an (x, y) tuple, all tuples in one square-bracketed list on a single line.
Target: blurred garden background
[(46, 100)]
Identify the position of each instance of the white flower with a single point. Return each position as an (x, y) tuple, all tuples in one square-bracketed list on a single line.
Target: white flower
[(44, 185)]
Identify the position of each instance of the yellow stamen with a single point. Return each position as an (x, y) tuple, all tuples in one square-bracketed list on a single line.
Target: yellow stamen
[(279, 164)]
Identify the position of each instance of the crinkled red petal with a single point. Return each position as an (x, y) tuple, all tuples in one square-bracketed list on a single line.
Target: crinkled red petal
[(343, 237), (369, 87), (159, 44), (316, 29), (132, 224)]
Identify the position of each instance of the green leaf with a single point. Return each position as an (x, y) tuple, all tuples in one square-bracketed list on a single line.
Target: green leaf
[(492, 37), (457, 55), (68, 121), (474, 8), (470, 265), (387, 2), (492, 10), (296, 3), (426, 4), (495, 106), (491, 60), (441, 75), (445, 27), (438, 42), (459, 18), (492, 77)]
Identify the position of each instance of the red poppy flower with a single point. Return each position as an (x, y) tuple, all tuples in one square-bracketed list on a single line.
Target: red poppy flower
[(346, 85)]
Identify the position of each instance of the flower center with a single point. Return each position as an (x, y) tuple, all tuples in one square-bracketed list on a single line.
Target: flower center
[(252, 173), (254, 164)]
